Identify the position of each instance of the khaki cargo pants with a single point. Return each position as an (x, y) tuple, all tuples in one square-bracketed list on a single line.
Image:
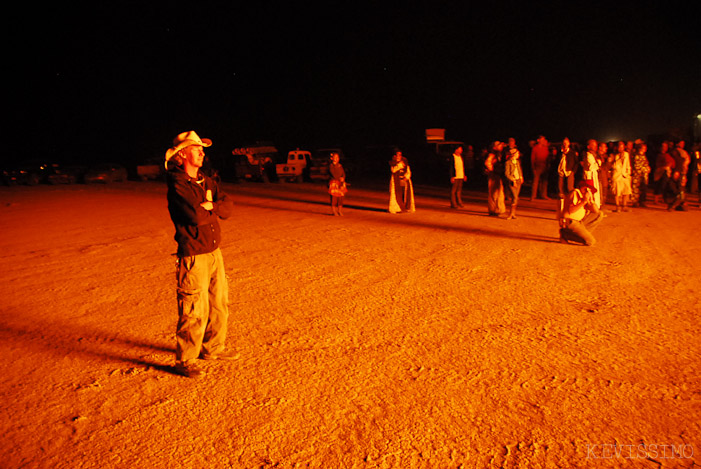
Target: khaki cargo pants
[(202, 306)]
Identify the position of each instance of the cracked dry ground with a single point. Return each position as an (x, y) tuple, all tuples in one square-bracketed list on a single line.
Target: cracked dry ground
[(435, 339)]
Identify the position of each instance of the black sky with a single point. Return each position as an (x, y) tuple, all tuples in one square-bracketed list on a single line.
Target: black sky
[(120, 79)]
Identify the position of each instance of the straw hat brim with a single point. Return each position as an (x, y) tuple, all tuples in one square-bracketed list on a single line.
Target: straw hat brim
[(205, 142)]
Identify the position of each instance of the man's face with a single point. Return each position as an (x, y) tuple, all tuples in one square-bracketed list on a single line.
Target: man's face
[(591, 145), (458, 151), (194, 155)]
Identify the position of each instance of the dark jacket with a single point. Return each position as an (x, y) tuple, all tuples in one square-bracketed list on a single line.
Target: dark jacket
[(571, 160), (197, 230)]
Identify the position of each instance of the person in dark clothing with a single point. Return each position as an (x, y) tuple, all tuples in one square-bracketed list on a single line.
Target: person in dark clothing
[(566, 169), (664, 165), (673, 193), (195, 202)]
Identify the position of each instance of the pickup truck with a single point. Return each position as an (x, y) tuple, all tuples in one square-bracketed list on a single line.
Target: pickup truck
[(301, 166), (255, 162)]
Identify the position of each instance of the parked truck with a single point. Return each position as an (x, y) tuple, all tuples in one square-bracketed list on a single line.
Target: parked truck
[(301, 166), (255, 162)]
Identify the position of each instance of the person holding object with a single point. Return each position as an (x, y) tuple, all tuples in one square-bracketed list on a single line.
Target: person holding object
[(580, 215), (195, 203)]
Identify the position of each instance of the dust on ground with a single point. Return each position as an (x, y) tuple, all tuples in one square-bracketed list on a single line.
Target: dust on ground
[(436, 339)]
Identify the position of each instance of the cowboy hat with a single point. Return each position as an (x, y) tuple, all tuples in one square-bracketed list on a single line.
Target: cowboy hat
[(186, 139), (588, 183)]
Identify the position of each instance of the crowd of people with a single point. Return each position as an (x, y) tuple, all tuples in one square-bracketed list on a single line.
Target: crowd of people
[(622, 172), (584, 179)]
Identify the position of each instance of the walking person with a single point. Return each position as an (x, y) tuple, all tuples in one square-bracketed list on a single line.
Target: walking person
[(337, 184), (195, 203)]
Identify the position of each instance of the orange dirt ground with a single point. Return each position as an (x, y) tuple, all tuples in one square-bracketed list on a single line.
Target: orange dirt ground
[(436, 339)]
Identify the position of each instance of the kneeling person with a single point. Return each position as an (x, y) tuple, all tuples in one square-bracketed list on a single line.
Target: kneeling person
[(580, 215)]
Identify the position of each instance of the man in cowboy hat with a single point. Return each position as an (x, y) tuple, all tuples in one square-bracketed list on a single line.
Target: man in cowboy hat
[(580, 214), (195, 203)]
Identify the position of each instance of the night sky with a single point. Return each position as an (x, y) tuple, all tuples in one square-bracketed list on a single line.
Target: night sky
[(118, 80)]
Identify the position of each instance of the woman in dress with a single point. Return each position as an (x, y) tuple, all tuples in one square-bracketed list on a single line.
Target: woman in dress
[(620, 178), (514, 175), (337, 184), (494, 169), (401, 190), (639, 178)]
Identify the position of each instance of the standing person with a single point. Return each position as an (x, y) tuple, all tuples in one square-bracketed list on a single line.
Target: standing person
[(591, 170), (337, 184), (195, 202), (514, 175), (605, 161), (620, 178), (494, 169), (401, 189), (664, 165), (681, 162), (566, 169), (539, 165), (639, 176), (695, 168), (457, 177), (580, 215)]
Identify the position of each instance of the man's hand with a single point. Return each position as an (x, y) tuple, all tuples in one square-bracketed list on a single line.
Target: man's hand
[(207, 206)]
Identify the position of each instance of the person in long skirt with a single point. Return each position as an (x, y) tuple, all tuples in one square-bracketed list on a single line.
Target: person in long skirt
[(639, 177), (620, 178), (494, 169), (401, 189)]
